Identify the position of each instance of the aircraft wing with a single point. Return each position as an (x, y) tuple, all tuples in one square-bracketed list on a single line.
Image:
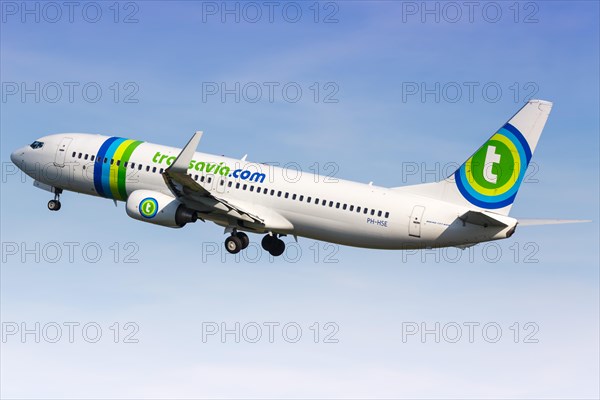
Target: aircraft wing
[(194, 195)]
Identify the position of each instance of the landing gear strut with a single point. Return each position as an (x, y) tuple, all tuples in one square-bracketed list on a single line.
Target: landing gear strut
[(54, 205), (236, 242), (273, 245)]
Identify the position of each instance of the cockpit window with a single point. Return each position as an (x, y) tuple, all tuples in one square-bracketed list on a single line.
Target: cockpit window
[(36, 145)]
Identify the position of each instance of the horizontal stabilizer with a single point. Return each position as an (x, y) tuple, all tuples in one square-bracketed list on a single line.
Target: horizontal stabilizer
[(535, 221), (483, 219)]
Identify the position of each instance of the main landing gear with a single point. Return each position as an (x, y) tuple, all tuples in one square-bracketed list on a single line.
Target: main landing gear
[(273, 245), (238, 241), (54, 205)]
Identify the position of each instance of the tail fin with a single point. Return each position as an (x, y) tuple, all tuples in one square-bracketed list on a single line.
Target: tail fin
[(490, 178)]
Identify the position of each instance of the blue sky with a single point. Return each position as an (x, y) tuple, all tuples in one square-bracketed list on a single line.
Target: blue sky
[(367, 57)]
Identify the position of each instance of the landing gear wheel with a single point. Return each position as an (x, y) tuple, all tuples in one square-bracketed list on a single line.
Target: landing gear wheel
[(54, 205), (233, 244), (267, 242), (244, 239), (277, 248)]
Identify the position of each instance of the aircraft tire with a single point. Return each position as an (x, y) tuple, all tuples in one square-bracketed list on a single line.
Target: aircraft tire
[(277, 248), (244, 239), (54, 205), (233, 244)]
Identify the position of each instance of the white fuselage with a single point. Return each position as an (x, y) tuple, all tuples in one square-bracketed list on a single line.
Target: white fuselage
[(312, 206)]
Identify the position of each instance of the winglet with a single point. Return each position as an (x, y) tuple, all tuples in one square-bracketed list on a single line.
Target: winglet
[(183, 159)]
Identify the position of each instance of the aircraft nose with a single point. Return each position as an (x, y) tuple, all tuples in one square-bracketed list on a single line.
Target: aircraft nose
[(17, 157)]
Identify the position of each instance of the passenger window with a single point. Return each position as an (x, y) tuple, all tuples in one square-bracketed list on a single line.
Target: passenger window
[(372, 212), (351, 208), (287, 195), (85, 157), (358, 209), (125, 164), (294, 196), (74, 154), (301, 198), (344, 206), (272, 192), (118, 162), (324, 202), (265, 191), (279, 193), (337, 205), (201, 178), (222, 182), (147, 168), (92, 158), (245, 187), (154, 170), (79, 155), (308, 199), (366, 210), (387, 214), (105, 160), (237, 185), (161, 170), (379, 213), (112, 161), (209, 179), (331, 204), (140, 167), (252, 188), (229, 184), (196, 177)]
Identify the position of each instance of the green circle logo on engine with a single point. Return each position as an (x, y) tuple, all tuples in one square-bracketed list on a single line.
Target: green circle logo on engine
[(148, 207)]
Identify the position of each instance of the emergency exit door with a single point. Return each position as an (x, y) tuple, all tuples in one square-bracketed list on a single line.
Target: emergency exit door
[(414, 226)]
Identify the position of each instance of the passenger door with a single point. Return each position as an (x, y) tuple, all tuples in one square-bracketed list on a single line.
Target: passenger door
[(61, 152)]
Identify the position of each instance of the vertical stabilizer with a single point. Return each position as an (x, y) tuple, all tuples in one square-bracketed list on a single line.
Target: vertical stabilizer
[(491, 177)]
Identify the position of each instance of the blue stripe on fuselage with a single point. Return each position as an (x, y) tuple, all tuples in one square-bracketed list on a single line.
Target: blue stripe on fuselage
[(99, 166), (106, 168)]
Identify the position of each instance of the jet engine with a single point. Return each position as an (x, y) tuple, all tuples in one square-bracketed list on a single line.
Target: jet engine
[(158, 208)]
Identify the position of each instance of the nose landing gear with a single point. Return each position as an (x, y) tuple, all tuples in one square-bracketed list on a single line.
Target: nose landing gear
[(54, 205)]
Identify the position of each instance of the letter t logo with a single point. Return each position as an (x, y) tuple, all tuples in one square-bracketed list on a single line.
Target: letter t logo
[(491, 157)]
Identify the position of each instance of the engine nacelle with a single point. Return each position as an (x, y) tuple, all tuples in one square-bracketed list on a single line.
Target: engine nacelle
[(160, 209)]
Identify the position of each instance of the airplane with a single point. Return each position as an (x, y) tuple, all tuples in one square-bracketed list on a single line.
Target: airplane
[(172, 187)]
